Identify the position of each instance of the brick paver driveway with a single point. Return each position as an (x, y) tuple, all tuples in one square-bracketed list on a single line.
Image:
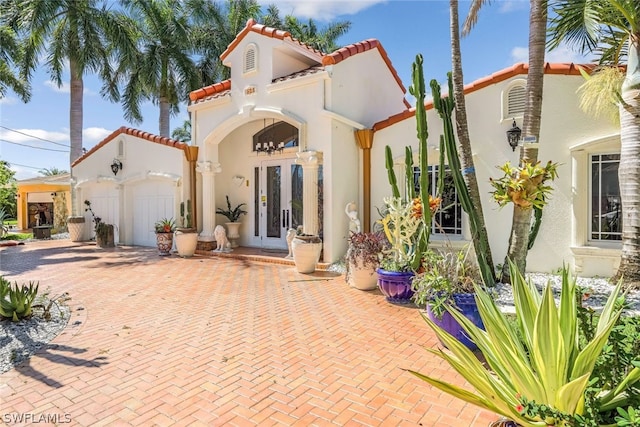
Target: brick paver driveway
[(210, 341)]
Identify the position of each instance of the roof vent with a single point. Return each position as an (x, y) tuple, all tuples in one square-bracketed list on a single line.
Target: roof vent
[(516, 101), (250, 58)]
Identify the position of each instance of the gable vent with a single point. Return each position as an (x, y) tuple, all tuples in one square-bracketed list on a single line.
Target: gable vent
[(250, 59), (516, 100)]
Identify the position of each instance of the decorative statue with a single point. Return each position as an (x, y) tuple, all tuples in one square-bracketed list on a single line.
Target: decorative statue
[(352, 212), (291, 233), (223, 244)]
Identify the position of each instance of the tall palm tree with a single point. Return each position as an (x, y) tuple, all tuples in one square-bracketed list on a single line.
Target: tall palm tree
[(480, 236), (162, 70), (521, 221), (53, 171), (323, 40), (182, 133), (82, 32), (611, 29), (10, 56)]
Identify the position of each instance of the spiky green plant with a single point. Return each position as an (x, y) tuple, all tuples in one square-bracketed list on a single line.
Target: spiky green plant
[(538, 358), (16, 301)]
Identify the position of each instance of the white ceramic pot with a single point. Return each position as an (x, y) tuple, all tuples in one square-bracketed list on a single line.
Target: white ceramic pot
[(186, 242), (361, 277), (75, 225), (306, 254), (233, 233)]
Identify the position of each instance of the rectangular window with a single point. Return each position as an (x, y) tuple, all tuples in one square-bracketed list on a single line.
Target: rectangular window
[(606, 211), (448, 219)]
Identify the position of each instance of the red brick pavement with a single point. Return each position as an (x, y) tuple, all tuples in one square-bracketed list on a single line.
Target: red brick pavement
[(215, 341)]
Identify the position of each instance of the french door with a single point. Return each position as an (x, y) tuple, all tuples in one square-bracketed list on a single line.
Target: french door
[(277, 201)]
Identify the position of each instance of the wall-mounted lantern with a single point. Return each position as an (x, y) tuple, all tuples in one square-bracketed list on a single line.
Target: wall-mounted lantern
[(116, 166), (513, 135)]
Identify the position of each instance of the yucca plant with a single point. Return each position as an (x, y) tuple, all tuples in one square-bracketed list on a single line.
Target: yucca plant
[(16, 301), (537, 359)]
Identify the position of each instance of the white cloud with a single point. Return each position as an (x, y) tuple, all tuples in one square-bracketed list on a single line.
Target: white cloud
[(65, 88), (90, 136), (512, 5), (27, 135), (562, 54), (8, 100), (320, 10)]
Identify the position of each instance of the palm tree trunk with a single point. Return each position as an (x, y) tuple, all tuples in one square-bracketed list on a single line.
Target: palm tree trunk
[(75, 124), (164, 117), (480, 236), (521, 222), (629, 170)]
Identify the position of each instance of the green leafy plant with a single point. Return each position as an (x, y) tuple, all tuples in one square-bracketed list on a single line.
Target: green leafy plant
[(165, 225), (524, 185), (185, 216), (538, 360), (16, 301), (4, 226), (365, 248), (445, 273), (233, 215)]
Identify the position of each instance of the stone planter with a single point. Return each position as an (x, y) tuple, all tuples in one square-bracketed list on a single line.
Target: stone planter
[(306, 252), (105, 238), (396, 285), (186, 241), (165, 242), (75, 225), (233, 233), (362, 277)]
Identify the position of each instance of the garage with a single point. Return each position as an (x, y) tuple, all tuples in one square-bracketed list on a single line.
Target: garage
[(151, 201)]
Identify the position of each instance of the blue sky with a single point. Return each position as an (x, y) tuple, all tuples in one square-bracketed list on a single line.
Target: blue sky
[(404, 28)]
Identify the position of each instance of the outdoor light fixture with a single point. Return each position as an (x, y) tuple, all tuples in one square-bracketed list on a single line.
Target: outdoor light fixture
[(513, 135), (116, 165), (269, 147)]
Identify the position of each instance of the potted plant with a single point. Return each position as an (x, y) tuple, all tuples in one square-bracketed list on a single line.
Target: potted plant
[(164, 229), (233, 226), (186, 237), (104, 232), (448, 280), (363, 258), (306, 249), (539, 368)]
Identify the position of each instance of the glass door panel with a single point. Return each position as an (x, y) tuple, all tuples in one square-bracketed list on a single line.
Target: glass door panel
[(274, 201)]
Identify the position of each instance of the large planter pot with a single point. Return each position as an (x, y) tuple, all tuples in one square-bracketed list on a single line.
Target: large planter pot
[(165, 242), (466, 304), (186, 241), (395, 285), (105, 239), (306, 253), (361, 276), (75, 225), (233, 233)]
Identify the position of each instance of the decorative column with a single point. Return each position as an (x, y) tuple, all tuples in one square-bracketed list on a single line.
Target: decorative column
[(310, 162), (208, 170), (364, 139)]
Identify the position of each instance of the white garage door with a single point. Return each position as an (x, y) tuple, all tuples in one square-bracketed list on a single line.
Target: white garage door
[(104, 204), (152, 201)]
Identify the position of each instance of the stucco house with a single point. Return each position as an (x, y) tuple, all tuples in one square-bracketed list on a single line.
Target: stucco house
[(297, 135), (43, 201)]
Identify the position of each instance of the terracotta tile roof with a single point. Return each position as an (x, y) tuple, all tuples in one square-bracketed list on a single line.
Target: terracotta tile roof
[(502, 75), (356, 48), (211, 90), (253, 26), (301, 73), (133, 132)]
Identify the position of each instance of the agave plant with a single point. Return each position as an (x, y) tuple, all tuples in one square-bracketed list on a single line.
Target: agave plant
[(233, 215), (16, 301), (538, 359)]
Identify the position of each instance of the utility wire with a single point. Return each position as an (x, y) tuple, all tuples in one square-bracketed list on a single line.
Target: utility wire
[(24, 166), (31, 146), (33, 136)]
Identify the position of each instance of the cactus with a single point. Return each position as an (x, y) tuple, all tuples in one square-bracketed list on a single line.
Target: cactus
[(445, 106), (186, 219)]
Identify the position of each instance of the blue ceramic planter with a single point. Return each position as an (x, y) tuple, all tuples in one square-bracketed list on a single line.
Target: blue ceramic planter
[(395, 286), (466, 304)]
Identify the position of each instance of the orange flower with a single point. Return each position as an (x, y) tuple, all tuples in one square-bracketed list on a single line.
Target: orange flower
[(416, 209), (434, 203), (519, 408)]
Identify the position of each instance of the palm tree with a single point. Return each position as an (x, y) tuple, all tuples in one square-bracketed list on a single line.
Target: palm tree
[(611, 29), (323, 40), (10, 56), (480, 236), (162, 70), (83, 33), (182, 133), (53, 171), (521, 221)]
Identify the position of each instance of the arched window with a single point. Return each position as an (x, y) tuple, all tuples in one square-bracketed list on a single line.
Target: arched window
[(120, 149), (278, 135), (250, 59), (514, 99)]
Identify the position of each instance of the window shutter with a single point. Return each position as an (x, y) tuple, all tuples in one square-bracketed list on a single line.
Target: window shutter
[(250, 60), (516, 100)]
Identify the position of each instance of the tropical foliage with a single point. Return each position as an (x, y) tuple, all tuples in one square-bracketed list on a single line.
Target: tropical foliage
[(16, 301), (8, 189), (232, 214), (10, 56)]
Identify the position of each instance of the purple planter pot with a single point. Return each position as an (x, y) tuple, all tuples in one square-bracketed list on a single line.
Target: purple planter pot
[(395, 286), (466, 304)]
